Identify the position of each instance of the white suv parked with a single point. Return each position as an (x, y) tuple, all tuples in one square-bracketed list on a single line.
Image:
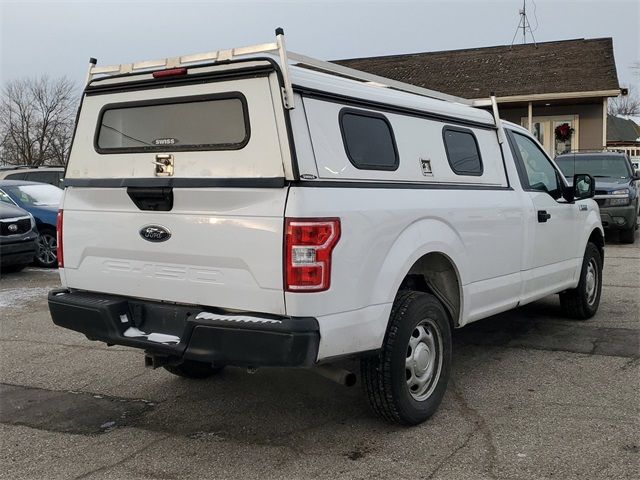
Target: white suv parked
[(250, 212)]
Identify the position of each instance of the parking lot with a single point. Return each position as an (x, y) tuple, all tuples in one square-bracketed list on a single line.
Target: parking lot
[(532, 396)]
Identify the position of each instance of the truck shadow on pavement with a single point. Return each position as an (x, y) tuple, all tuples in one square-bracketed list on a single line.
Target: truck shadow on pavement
[(541, 326)]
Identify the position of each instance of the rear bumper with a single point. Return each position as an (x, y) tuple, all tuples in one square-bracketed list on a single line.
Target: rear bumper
[(18, 252), (181, 332)]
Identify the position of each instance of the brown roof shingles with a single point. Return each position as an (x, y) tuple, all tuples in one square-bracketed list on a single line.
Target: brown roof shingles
[(551, 67)]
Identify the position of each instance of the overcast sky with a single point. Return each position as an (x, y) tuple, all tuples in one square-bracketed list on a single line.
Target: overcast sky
[(57, 38)]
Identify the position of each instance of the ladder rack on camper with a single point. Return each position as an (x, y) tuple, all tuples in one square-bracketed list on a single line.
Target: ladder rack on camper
[(278, 48)]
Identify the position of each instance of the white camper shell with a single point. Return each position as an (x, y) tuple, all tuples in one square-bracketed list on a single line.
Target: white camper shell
[(255, 207)]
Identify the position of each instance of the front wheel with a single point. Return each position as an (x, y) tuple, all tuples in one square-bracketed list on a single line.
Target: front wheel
[(582, 302), (628, 235), (406, 381)]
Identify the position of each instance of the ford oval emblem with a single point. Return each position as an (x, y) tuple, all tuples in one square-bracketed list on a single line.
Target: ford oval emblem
[(155, 233)]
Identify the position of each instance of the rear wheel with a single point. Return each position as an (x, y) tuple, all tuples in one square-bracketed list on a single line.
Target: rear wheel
[(406, 381), (47, 253), (191, 369), (582, 302)]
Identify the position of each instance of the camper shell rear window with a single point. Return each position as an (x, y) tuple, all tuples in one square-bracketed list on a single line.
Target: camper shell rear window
[(202, 122)]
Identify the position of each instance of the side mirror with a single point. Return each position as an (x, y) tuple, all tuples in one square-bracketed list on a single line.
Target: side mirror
[(584, 186)]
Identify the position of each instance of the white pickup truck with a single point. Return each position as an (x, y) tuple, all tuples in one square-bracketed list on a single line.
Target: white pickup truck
[(240, 208)]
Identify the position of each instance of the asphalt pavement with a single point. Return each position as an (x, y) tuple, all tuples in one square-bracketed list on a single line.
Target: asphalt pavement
[(532, 396)]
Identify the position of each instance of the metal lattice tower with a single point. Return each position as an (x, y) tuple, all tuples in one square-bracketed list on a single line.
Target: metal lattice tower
[(524, 25)]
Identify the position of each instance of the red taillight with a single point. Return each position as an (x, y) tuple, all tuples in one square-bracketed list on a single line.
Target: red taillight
[(171, 72), (59, 239), (308, 246)]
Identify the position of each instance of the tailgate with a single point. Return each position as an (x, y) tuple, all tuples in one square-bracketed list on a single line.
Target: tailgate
[(225, 248)]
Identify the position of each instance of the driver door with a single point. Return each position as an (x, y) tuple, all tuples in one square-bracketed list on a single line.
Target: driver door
[(552, 227)]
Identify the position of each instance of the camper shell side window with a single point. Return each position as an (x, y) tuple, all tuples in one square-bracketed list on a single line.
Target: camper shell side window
[(368, 140), (463, 152)]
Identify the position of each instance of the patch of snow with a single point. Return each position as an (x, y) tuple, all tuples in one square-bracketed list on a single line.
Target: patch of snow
[(133, 332), (163, 338), (634, 118), (42, 270), (234, 318), (16, 297)]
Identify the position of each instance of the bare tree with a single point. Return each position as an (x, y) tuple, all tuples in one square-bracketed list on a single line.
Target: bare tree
[(36, 121), (625, 104)]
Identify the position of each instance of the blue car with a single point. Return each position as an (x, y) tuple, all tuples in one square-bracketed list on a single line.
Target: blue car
[(41, 200)]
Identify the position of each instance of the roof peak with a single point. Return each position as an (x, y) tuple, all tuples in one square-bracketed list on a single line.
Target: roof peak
[(475, 49)]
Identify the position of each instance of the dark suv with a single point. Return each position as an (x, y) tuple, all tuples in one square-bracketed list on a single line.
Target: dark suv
[(617, 186), (17, 238)]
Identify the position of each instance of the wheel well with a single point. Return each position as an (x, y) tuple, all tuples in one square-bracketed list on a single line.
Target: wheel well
[(435, 273), (597, 239)]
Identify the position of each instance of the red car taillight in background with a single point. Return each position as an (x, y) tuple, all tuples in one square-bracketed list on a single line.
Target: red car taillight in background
[(59, 239), (308, 246)]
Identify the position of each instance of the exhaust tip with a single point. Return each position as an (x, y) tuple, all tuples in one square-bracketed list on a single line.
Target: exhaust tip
[(350, 379), (336, 374)]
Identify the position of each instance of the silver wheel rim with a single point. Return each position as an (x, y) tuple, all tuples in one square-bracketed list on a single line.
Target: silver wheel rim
[(423, 363), (47, 249), (591, 282)]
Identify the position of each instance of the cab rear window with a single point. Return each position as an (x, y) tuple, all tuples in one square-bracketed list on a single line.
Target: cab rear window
[(219, 122)]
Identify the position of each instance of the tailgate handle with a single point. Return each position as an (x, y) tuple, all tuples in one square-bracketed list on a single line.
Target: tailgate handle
[(158, 199)]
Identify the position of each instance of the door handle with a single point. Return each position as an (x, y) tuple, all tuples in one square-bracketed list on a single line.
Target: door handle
[(543, 216)]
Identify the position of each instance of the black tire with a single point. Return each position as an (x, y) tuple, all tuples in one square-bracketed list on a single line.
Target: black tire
[(582, 302), (628, 235), (191, 369), (385, 375), (47, 252)]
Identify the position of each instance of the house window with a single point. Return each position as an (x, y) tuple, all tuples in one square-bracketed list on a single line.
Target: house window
[(368, 140), (543, 128), (462, 151)]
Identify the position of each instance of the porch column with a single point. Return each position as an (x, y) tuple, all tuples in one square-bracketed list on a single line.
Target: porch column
[(530, 115), (605, 107)]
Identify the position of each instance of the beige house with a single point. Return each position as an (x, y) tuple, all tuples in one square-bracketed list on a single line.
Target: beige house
[(538, 86)]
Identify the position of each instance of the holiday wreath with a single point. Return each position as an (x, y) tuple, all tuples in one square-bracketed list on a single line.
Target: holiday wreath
[(564, 132)]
